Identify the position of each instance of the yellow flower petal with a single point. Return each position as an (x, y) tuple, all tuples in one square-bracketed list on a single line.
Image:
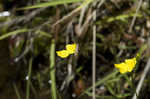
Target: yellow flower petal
[(71, 48), (123, 70), (62, 53), (130, 63), (126, 66), (122, 67)]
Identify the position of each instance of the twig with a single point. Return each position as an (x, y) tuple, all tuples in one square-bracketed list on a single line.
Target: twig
[(94, 58), (134, 18)]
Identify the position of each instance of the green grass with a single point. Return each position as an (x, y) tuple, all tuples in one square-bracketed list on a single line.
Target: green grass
[(13, 33), (51, 3), (16, 91), (29, 79)]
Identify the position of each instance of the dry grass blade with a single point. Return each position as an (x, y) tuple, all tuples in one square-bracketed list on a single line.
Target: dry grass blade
[(146, 69), (94, 57), (134, 18), (74, 13)]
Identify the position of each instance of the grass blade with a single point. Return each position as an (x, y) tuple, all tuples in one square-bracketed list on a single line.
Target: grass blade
[(13, 33), (16, 91), (51, 3), (101, 81)]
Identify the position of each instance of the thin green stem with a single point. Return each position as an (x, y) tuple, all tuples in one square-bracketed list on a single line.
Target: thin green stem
[(28, 80), (13, 33), (52, 72), (102, 81), (16, 91)]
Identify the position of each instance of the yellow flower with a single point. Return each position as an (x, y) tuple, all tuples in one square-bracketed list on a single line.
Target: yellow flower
[(122, 67), (63, 53), (71, 48), (130, 63), (126, 66)]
